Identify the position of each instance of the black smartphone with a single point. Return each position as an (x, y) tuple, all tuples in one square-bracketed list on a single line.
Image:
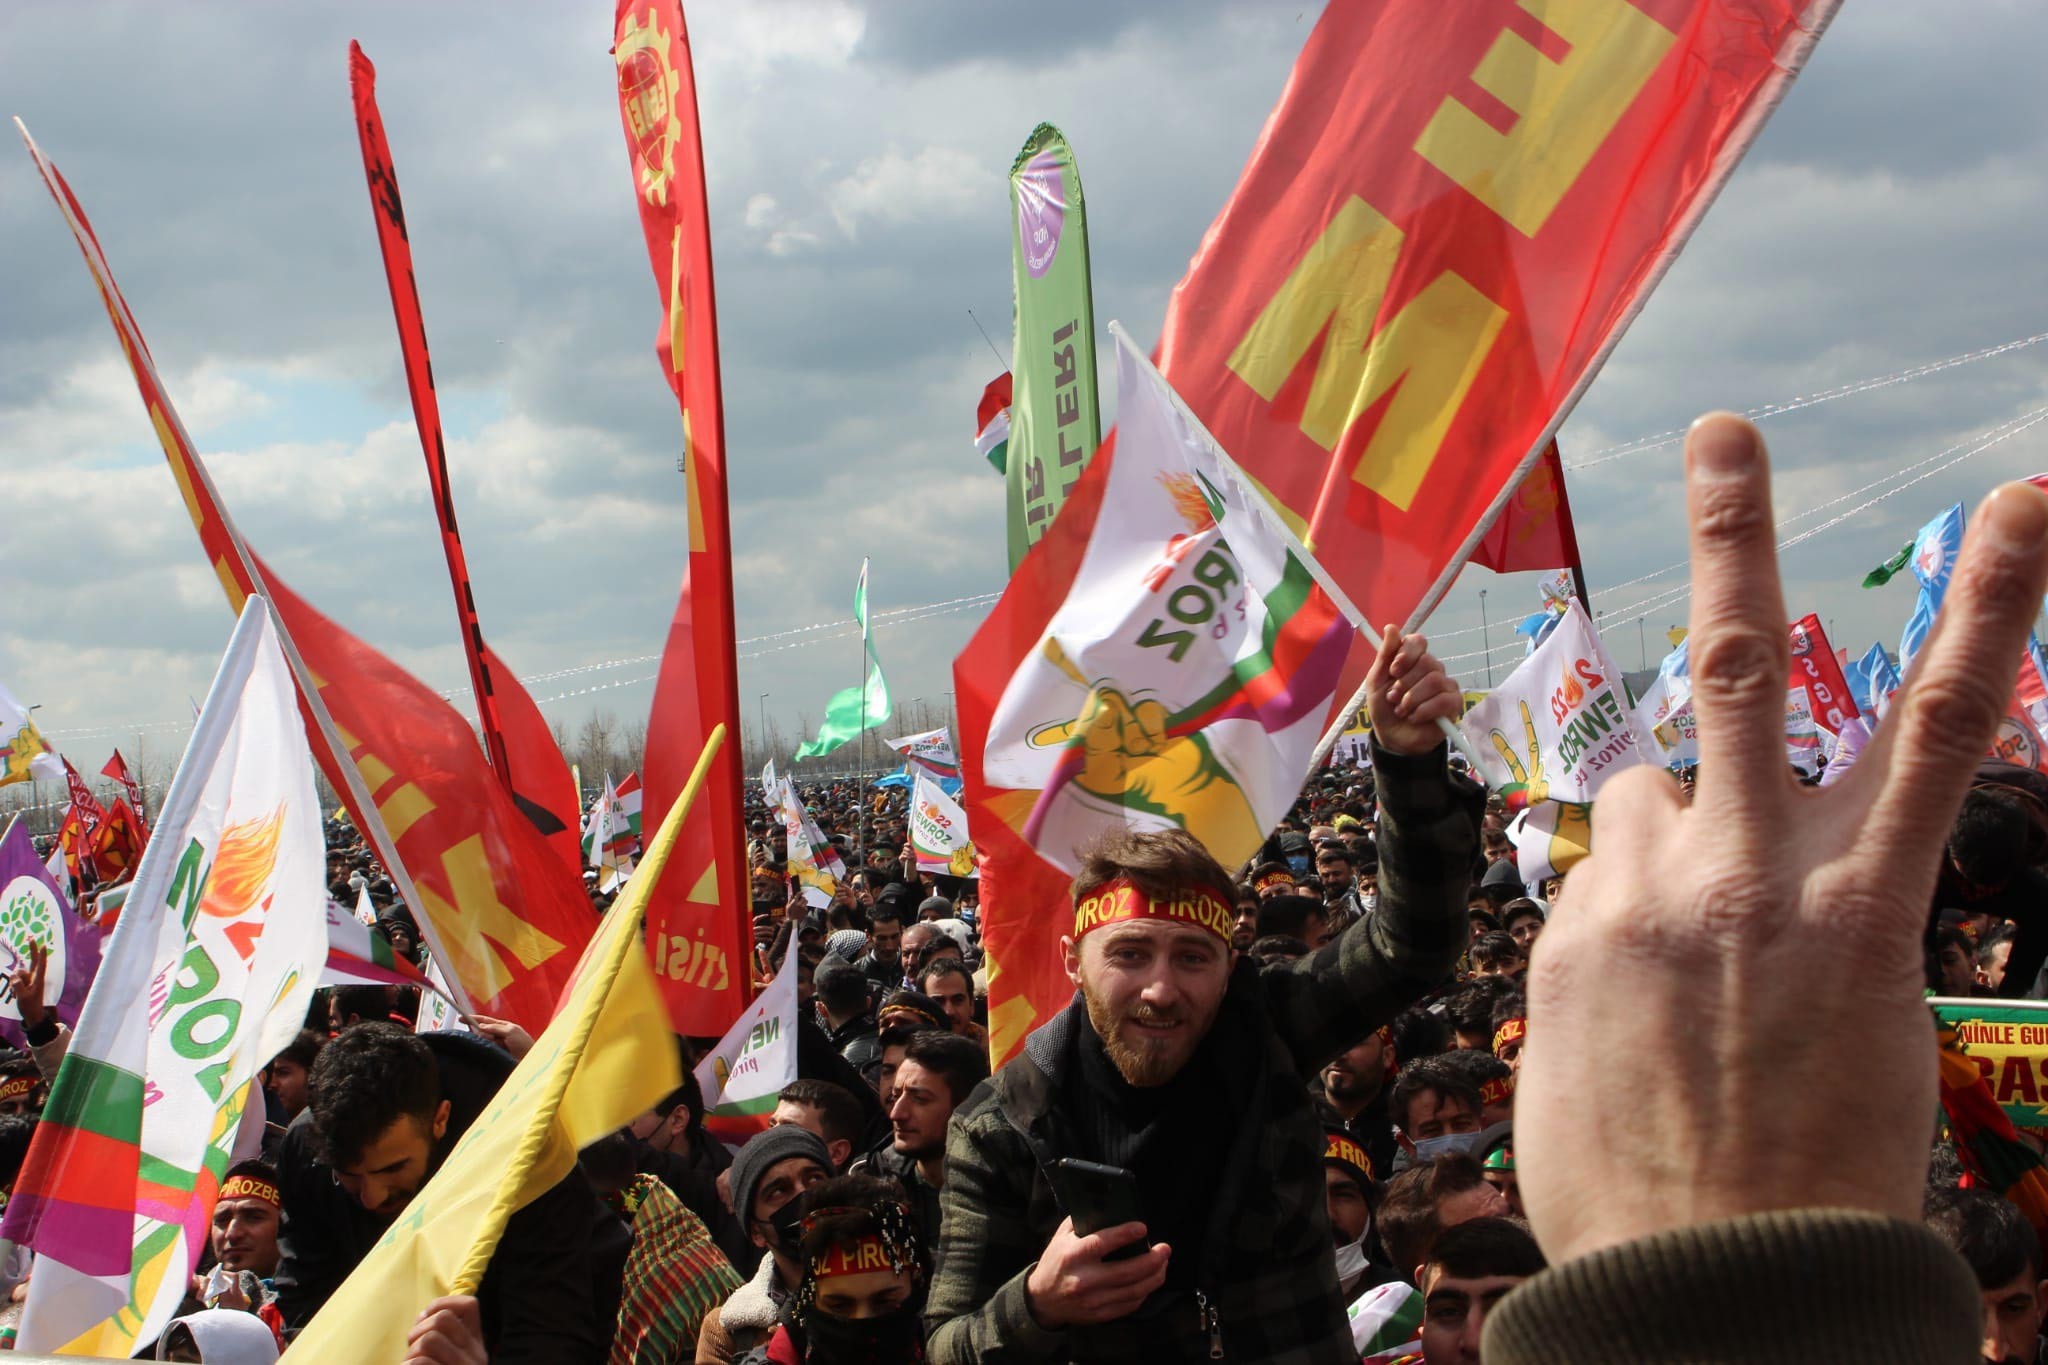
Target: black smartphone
[(1096, 1197)]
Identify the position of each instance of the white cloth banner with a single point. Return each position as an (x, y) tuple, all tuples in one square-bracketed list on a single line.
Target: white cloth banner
[(24, 755), (745, 1073), (938, 830), (930, 752), (1560, 725), (207, 978), (1185, 680)]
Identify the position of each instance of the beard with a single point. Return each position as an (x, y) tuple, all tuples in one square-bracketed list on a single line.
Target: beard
[(1141, 1059)]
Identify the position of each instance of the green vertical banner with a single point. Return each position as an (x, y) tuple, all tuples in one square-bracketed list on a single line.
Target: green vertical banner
[(1055, 423)]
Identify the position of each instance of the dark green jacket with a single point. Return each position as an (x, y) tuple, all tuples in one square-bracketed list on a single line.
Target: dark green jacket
[(1267, 1276), (1797, 1286)]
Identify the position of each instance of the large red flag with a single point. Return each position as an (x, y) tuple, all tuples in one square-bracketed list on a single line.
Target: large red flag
[(523, 751), (699, 917), (502, 913), (1447, 223)]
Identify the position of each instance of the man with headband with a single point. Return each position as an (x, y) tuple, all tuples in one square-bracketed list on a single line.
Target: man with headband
[(1191, 1073)]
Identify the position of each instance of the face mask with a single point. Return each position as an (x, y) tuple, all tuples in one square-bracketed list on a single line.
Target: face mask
[(1428, 1149), (788, 1222), (1298, 864), (1350, 1261), (887, 1340), (1369, 902)]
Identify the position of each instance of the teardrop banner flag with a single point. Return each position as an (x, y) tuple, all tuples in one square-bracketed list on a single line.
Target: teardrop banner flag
[(699, 919)]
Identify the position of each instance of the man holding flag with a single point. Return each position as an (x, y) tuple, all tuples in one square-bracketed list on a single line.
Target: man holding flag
[(1169, 1040)]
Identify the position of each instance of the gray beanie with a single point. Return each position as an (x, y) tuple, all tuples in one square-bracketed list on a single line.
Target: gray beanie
[(938, 903), (762, 1151)]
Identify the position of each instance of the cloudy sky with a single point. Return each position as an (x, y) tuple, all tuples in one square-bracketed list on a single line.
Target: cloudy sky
[(1889, 218)]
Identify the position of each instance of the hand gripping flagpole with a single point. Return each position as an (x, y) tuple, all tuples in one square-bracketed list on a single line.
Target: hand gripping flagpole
[(1257, 500)]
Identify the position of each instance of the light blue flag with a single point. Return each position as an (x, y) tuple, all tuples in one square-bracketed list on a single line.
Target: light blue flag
[(1934, 558)]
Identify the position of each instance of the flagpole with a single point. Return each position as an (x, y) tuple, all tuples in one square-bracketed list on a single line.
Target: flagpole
[(860, 776)]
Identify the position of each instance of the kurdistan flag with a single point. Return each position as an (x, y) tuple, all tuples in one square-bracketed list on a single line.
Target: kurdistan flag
[(629, 804), (992, 423), (220, 947), (855, 708)]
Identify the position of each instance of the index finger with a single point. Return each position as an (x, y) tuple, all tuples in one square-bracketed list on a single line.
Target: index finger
[(1740, 654), (1958, 687)]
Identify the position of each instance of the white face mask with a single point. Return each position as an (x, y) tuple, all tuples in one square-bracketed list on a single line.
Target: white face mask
[(1350, 1261), (1369, 902)]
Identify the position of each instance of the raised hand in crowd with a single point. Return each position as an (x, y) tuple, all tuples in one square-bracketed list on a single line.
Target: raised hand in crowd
[(27, 981), (1757, 949), (505, 1034)]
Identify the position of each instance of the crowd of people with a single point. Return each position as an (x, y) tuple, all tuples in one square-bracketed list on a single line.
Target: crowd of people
[(1368, 1096)]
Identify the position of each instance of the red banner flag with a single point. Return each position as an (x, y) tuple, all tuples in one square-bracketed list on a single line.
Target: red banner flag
[(117, 848), (1535, 531), (500, 910), (117, 768), (1446, 225), (1816, 669), (699, 917), (523, 752), (84, 804)]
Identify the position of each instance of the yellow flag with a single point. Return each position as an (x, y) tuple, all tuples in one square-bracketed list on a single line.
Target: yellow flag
[(606, 1057)]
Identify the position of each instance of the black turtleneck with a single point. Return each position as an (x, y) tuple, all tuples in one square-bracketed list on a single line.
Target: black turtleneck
[(1175, 1138)]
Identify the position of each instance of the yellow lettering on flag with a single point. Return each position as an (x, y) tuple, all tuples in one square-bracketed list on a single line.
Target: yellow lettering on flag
[(478, 924), (1564, 107), (605, 1058), (1426, 355)]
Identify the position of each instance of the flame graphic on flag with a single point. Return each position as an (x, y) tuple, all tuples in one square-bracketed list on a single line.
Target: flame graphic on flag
[(242, 866)]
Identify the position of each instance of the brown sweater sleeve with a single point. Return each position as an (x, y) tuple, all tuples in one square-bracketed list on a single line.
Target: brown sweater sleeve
[(1794, 1286)]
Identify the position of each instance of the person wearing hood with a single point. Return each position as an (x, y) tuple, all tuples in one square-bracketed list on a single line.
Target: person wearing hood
[(770, 1174), (218, 1336), (1502, 884)]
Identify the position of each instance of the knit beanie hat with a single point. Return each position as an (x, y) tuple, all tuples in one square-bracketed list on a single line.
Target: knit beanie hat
[(762, 1151)]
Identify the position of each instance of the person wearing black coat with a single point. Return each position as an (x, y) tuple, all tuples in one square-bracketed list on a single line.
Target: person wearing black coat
[(387, 1107)]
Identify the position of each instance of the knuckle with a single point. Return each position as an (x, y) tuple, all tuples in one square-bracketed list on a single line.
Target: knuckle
[(1740, 664), (1950, 713), (1729, 514), (2000, 583)]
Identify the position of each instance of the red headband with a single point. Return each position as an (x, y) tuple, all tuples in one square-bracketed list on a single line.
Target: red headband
[(860, 1257), (14, 1087), (1338, 1147), (1510, 1031), (1275, 878), (1118, 900), (250, 1187)]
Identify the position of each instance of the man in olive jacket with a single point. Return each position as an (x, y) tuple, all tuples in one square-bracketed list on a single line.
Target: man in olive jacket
[(1189, 1072)]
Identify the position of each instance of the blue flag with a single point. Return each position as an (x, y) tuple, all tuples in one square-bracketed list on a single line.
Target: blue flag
[(1934, 558)]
